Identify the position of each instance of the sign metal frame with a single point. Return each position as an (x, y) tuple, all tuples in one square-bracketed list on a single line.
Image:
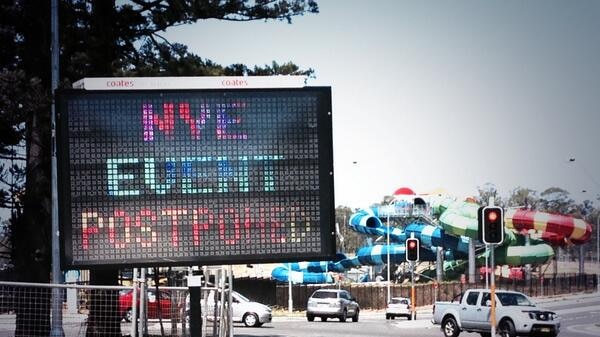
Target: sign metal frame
[(326, 208)]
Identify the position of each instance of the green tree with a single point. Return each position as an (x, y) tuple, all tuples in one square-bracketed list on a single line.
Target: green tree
[(97, 38), (486, 191), (523, 198), (352, 240), (557, 200)]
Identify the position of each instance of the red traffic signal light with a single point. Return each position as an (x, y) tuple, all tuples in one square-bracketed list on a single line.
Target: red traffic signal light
[(412, 249), (492, 216), (492, 225)]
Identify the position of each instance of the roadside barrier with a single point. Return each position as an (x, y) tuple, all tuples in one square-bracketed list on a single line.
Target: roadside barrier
[(373, 295)]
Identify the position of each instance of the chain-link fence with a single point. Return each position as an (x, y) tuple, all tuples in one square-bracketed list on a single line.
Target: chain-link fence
[(95, 310)]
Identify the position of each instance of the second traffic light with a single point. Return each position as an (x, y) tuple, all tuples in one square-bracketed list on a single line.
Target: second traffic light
[(492, 223), (412, 249)]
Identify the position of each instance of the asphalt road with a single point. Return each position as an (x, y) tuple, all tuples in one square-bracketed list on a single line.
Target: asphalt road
[(580, 317)]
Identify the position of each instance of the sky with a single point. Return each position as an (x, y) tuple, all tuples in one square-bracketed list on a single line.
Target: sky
[(441, 94)]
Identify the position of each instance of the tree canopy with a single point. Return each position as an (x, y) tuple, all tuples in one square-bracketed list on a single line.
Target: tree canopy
[(97, 38)]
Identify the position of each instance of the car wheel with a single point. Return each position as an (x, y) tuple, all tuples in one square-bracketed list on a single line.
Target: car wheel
[(355, 317), (323, 319), (310, 318), (486, 334), (344, 316), (127, 316), (507, 329), (387, 316), (250, 320), (450, 328)]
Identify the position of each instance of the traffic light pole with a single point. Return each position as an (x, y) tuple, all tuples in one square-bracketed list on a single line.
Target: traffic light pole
[(412, 277), (492, 248), (493, 290), (412, 291)]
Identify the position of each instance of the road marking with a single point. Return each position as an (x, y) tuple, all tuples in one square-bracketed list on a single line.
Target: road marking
[(588, 329), (420, 323), (576, 310)]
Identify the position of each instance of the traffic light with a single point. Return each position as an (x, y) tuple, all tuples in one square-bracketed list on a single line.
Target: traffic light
[(492, 223), (412, 249)]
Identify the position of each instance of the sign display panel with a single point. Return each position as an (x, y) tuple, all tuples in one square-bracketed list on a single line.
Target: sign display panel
[(181, 177)]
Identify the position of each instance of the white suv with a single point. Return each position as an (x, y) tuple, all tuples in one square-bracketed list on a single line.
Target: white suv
[(334, 303)]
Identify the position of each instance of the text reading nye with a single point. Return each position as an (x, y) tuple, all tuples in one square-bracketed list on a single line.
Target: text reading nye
[(180, 177)]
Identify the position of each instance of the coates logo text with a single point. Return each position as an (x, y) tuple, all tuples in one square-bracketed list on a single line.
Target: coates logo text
[(234, 83), (119, 84)]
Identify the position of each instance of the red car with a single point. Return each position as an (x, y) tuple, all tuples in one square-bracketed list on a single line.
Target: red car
[(154, 302)]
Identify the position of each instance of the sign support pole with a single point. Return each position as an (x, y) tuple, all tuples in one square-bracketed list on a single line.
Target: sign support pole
[(57, 276), (195, 288)]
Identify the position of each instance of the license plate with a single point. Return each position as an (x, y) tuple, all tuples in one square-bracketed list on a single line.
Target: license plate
[(545, 329)]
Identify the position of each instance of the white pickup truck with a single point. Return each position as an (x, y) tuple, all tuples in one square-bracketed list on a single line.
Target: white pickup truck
[(516, 315)]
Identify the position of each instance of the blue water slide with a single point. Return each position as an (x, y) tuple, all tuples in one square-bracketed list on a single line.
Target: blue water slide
[(283, 274), (367, 221)]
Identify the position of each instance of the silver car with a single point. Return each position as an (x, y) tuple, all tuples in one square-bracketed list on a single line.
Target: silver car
[(252, 314), (334, 303)]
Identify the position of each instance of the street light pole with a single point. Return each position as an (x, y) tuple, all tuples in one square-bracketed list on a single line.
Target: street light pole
[(389, 297), (598, 253), (571, 160), (290, 298)]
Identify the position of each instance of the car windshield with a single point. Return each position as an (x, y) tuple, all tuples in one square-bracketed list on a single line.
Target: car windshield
[(508, 299), (241, 297), (324, 294), (399, 301)]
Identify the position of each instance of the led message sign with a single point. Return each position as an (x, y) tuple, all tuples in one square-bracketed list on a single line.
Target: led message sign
[(181, 177)]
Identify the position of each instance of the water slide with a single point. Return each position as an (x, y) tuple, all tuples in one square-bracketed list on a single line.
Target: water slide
[(455, 225)]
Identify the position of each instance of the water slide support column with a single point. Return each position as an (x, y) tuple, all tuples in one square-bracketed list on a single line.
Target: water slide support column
[(471, 261), (528, 266), (440, 264), (581, 260)]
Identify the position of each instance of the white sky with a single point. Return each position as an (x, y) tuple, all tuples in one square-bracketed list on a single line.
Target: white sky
[(451, 94)]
